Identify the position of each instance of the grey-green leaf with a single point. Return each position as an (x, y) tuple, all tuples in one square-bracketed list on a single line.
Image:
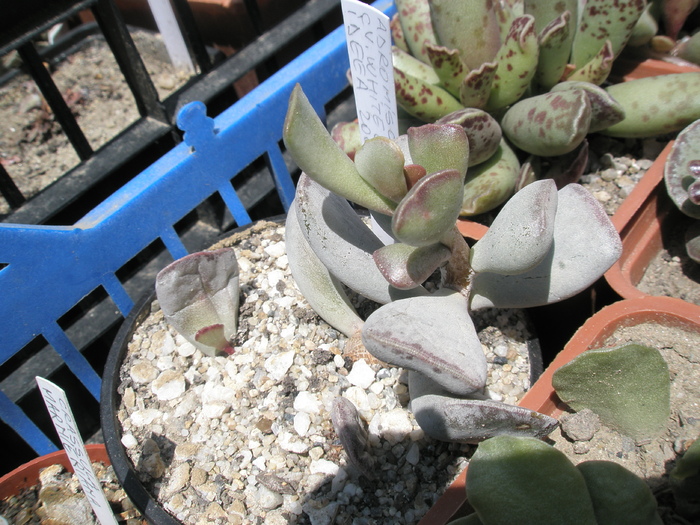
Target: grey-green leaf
[(380, 162), (407, 267)]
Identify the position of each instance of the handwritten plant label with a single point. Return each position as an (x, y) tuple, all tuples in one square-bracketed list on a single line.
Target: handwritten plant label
[(369, 48), (64, 422)]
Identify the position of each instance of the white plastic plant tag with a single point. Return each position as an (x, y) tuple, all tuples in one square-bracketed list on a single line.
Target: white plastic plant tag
[(369, 48), (64, 422)]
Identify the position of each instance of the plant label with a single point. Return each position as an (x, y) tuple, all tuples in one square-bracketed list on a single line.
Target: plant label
[(369, 48), (64, 422)]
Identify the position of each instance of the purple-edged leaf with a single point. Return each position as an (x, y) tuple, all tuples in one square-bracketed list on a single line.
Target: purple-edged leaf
[(397, 34), (407, 267), (598, 68), (347, 136), (430, 209), (605, 110), (353, 436), (491, 183), (380, 162), (517, 62), (448, 66), (214, 337), (421, 99), (476, 86), (656, 105), (555, 47), (433, 335), (603, 20), (483, 132), (198, 291), (469, 27), (417, 26), (439, 147), (550, 124), (682, 170), (521, 234), (585, 245)]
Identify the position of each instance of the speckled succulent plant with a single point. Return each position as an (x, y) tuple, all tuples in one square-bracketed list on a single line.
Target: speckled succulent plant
[(545, 245), (682, 177), (529, 74)]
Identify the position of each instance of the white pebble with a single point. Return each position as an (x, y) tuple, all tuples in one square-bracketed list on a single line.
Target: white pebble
[(290, 444), (413, 454), (393, 426), (302, 422), (323, 466), (169, 385), (129, 441), (275, 250), (307, 402), (268, 499), (361, 374), (143, 372), (144, 417), (277, 365)]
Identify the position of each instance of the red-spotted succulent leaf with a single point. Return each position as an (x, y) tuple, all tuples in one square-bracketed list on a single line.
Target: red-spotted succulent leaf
[(422, 100), (605, 110), (414, 16), (449, 67), (483, 132), (347, 136), (476, 86)]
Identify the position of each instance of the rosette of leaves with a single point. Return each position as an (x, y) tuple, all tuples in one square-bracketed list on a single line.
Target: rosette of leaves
[(682, 179), (545, 245)]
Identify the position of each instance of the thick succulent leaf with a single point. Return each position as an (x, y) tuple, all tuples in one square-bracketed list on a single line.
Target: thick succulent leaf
[(347, 136), (605, 110), (521, 234), (414, 67), (631, 392), (483, 132), (675, 14), (317, 154), (417, 26), (470, 27), (550, 124), (603, 20), (214, 337), (406, 267), (619, 496), (448, 65), (476, 86), (433, 335), (656, 105), (343, 242), (547, 12), (517, 62), (692, 241), (353, 436), (507, 469), (555, 47), (199, 291), (646, 28), (689, 49), (598, 68), (430, 209), (439, 147), (422, 100), (380, 162), (682, 169), (585, 245), (324, 293), (491, 183), (397, 34)]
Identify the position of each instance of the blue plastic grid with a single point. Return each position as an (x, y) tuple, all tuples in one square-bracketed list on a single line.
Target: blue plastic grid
[(49, 269)]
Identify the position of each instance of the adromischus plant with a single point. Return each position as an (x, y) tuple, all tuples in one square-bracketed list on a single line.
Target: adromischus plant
[(682, 178), (544, 246), (198, 295), (524, 480)]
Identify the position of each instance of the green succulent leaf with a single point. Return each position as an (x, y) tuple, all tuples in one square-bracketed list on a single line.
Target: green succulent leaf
[(524, 480), (645, 29), (517, 62), (476, 86), (472, 28), (414, 67), (491, 183), (631, 392), (550, 124), (430, 209), (656, 105), (521, 234), (685, 482), (603, 20), (555, 47), (317, 154), (406, 267), (605, 110), (448, 66), (483, 132), (421, 99), (397, 35), (417, 26), (619, 496), (545, 13), (380, 162), (682, 169), (347, 136), (439, 147), (598, 68)]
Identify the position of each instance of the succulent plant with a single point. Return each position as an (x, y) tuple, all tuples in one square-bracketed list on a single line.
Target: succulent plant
[(536, 252), (524, 480), (198, 295), (631, 392), (685, 482), (682, 178)]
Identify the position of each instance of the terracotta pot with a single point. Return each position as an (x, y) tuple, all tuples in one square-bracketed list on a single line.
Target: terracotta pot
[(27, 475), (626, 69), (542, 398)]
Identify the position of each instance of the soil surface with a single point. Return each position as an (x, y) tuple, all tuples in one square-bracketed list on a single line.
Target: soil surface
[(651, 460)]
